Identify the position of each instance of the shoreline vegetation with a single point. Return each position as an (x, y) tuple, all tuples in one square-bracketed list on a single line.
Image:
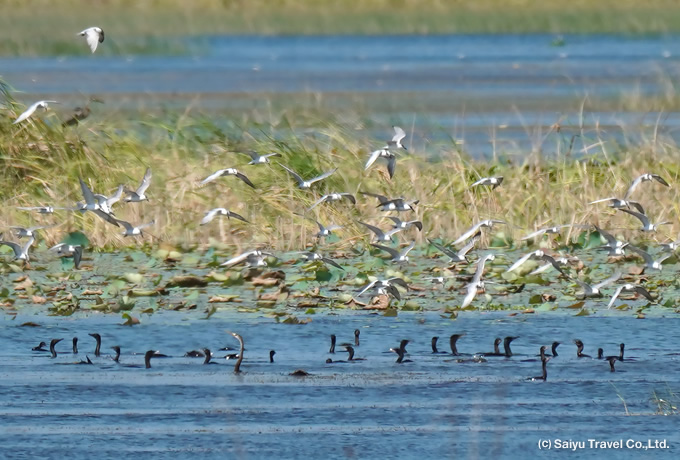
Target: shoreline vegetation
[(155, 27), (42, 161)]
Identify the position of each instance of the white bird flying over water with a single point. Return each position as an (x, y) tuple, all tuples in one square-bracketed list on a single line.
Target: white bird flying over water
[(29, 111), (461, 255), (397, 256), (94, 36), (476, 282), (398, 223), (618, 203), (255, 258), (647, 225), (488, 223), (20, 252), (630, 288), (257, 159), (595, 289), (381, 235)]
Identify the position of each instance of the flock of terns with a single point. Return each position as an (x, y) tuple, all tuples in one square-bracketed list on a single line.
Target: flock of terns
[(102, 206), (349, 348)]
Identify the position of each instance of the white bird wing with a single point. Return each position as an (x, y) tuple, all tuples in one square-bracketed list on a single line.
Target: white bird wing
[(238, 259), (535, 234), (146, 181), (480, 268), (212, 177), (465, 249), (399, 134), (115, 198), (366, 288), (374, 156), (92, 37), (446, 251), (615, 296), (148, 224), (407, 249), (322, 176), (471, 293), (633, 185), (521, 260), (603, 200), (28, 244), (210, 215), (318, 202), (481, 181), (295, 175), (615, 277), (587, 288), (29, 111), (469, 233)]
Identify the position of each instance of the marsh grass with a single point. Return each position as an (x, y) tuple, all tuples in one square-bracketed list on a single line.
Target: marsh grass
[(152, 27), (41, 163)]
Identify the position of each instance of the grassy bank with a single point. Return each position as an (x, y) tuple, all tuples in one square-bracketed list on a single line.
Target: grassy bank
[(41, 163), (43, 27)]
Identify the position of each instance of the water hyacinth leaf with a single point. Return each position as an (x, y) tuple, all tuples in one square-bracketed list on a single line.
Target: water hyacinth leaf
[(323, 275)]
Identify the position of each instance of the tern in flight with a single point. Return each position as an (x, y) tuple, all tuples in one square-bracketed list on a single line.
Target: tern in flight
[(257, 159), (227, 172), (20, 252), (306, 184), (397, 256), (647, 225), (630, 288), (488, 223), (492, 181), (388, 286), (332, 197), (476, 282), (381, 235), (404, 225), (94, 36), (210, 215), (594, 290), (644, 178), (29, 111), (255, 258), (69, 251), (461, 255), (131, 230), (139, 194)]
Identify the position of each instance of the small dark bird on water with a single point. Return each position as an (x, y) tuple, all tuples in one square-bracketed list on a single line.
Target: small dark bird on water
[(506, 345), (116, 349), (579, 349), (496, 350), (194, 354), (400, 355), (452, 342), (622, 347), (41, 347), (612, 360), (271, 356), (356, 337), (54, 342), (332, 350), (600, 353), (350, 350), (208, 356), (435, 351), (544, 364), (98, 338), (147, 358)]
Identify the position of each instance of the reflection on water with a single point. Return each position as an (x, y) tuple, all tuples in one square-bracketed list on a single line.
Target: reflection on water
[(431, 407), (517, 85)]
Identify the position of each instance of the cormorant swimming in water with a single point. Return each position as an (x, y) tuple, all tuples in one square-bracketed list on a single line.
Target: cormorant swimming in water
[(506, 345), (600, 353), (332, 350), (400, 352), (117, 350), (579, 349), (544, 364), (612, 360), (356, 337), (554, 349), (147, 358), (435, 351), (350, 349), (41, 347), (98, 338), (237, 366), (208, 356), (496, 350), (622, 347), (75, 345), (271, 356), (53, 342), (452, 341)]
